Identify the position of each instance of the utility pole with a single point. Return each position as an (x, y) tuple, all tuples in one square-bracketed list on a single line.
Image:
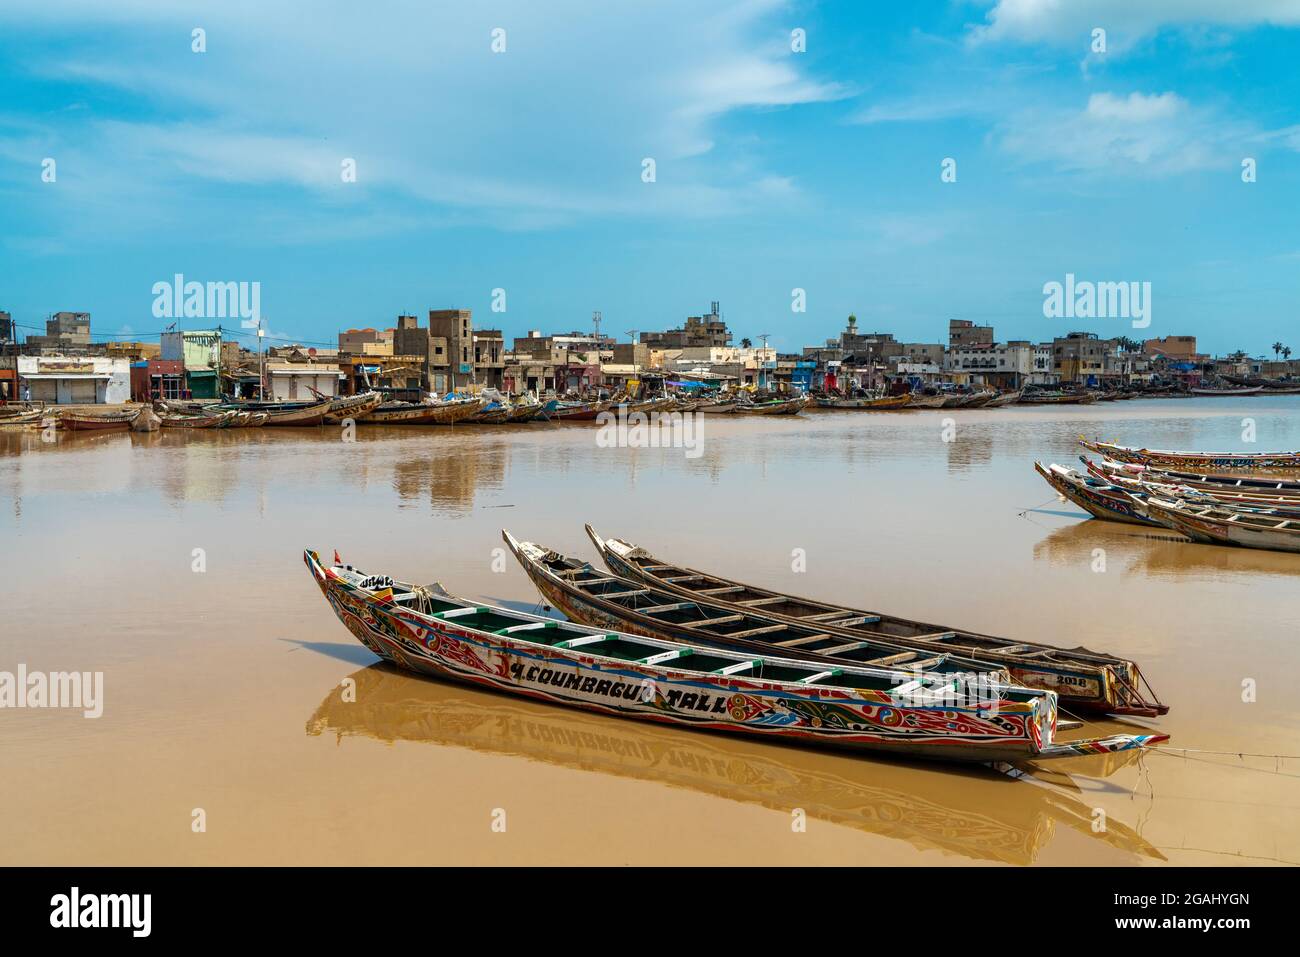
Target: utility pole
[(595, 321), (764, 336)]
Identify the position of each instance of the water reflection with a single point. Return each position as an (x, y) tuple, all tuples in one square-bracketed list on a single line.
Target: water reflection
[(929, 809), (1157, 554)]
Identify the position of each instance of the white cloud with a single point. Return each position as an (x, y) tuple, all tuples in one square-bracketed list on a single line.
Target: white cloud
[(553, 129), (1138, 133), (1125, 21)]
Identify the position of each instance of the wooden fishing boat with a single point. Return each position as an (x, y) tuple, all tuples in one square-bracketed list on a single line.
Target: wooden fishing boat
[(865, 404), (494, 413), (578, 411), (588, 595), (719, 407), (103, 422), (1195, 461), (1057, 398), (446, 412), (432, 633), (977, 400), (1097, 497), (524, 410), (31, 419), (1005, 398), (313, 414), (352, 407), (918, 401), (773, 406), (1214, 483), (1152, 483), (1242, 390), (1224, 525), (1087, 680), (217, 421)]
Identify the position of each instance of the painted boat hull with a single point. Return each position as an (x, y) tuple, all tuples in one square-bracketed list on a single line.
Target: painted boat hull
[(827, 717), (1214, 531), (352, 407), (442, 413), (1194, 461), (1110, 503), (1084, 680)]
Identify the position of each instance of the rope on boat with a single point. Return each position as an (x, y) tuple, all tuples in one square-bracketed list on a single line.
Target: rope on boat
[(1022, 514)]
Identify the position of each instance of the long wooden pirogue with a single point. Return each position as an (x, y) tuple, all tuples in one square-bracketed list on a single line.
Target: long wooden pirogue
[(1210, 482), (1158, 484), (432, 633), (1085, 680), (351, 406), (596, 598), (1196, 461), (1096, 496), (1226, 525), (118, 421)]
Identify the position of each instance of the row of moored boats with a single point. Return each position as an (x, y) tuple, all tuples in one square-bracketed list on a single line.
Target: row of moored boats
[(650, 639), (1249, 499)]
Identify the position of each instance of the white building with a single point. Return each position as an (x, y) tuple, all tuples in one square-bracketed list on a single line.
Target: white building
[(294, 381), (75, 380)]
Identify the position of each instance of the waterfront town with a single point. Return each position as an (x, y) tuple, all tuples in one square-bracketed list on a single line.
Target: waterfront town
[(70, 365)]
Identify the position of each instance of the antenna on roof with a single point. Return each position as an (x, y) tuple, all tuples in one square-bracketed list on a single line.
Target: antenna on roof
[(595, 321)]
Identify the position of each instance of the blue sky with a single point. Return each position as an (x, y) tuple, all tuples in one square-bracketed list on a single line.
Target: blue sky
[(775, 170)]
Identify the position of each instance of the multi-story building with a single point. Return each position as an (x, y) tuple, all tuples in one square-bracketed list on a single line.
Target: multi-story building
[(1008, 365), (1177, 348), (64, 332), (1081, 357), (6, 329), (489, 358), (445, 348), (367, 342), (962, 332), (200, 351), (706, 330)]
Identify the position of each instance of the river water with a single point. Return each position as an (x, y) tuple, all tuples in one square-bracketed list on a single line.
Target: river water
[(171, 562)]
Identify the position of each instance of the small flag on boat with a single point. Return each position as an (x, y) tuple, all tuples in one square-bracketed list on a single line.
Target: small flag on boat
[(337, 560), (384, 595)]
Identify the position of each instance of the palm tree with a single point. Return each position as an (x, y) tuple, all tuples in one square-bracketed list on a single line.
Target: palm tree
[(1286, 352), (1277, 347), (746, 343)]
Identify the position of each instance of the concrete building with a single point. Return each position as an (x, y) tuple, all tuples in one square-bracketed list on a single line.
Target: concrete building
[(75, 380), (294, 381), (64, 331), (1177, 348), (200, 351), (367, 342), (157, 379), (6, 329), (962, 333), (1081, 357), (1008, 365), (706, 330), (489, 358)]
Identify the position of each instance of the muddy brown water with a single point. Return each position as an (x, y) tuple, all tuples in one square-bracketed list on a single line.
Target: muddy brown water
[(224, 688)]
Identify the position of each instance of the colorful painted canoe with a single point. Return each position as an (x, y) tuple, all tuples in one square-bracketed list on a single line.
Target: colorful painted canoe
[(1097, 497), (1195, 461), (432, 633), (352, 407), (1210, 481), (1149, 483), (1221, 525), (1085, 680)]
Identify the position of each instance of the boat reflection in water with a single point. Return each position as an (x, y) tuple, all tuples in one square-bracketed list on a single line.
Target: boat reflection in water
[(935, 810)]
